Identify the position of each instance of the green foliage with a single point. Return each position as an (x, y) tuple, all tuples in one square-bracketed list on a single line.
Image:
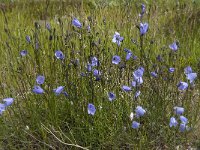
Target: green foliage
[(58, 122)]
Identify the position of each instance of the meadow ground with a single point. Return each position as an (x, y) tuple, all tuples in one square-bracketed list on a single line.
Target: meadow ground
[(99, 74)]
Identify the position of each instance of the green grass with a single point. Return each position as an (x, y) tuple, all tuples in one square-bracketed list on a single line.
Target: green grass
[(48, 121)]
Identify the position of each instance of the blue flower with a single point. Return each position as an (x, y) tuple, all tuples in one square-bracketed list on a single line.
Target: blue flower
[(97, 78), (143, 28), (116, 60), (91, 109), (173, 122), (139, 81), (126, 88), (137, 93), (138, 73), (2, 108), (58, 90), (23, 53), (88, 28), (154, 74), (134, 83), (89, 67), (128, 56), (38, 90), (182, 86), (28, 39), (187, 70), (183, 119), (143, 9), (65, 93), (48, 26), (178, 110), (140, 111), (135, 125), (94, 61), (173, 46), (182, 127), (96, 72), (171, 70), (191, 76), (40, 79), (8, 101), (117, 38), (59, 55), (111, 96), (127, 50), (76, 23), (159, 58)]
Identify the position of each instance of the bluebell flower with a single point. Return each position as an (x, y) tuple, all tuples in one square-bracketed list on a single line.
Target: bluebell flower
[(137, 93), (48, 26), (38, 90), (143, 9), (135, 57), (143, 28), (28, 39), (171, 70), (140, 111), (138, 81), (88, 28), (135, 125), (173, 122), (76, 23), (154, 74), (116, 60), (111, 96), (134, 83), (23, 53), (182, 127), (178, 110), (173, 46), (59, 55), (97, 78), (126, 88), (182, 86), (183, 119), (128, 56), (94, 61), (91, 109), (89, 67), (138, 73), (40, 79), (191, 76), (82, 74), (187, 70), (2, 108), (96, 72), (8, 101), (58, 90), (159, 58), (117, 38), (127, 50), (65, 93)]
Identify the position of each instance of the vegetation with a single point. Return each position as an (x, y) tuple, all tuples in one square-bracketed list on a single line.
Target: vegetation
[(83, 103)]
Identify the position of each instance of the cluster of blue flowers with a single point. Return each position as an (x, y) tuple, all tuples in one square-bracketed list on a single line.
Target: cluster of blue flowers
[(92, 67), (190, 75), (38, 90), (183, 120)]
